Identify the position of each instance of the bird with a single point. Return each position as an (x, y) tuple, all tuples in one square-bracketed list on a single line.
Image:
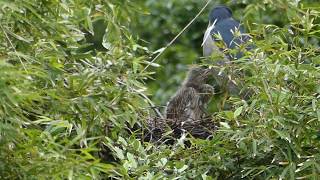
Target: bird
[(222, 27), (224, 33), (187, 106)]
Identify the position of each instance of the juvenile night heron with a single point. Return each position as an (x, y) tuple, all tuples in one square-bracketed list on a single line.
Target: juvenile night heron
[(186, 109)]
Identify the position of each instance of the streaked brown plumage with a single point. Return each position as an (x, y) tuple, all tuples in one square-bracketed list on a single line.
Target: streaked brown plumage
[(187, 107)]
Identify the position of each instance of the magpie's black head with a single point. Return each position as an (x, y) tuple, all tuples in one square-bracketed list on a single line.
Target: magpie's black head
[(219, 13)]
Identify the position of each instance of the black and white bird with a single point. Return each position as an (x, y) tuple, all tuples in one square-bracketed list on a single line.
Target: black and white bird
[(222, 35), (222, 27)]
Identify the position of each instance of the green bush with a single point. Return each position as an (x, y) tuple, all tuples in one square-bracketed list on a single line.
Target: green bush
[(72, 98)]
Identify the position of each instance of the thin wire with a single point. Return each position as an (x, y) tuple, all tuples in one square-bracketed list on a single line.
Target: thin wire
[(176, 37)]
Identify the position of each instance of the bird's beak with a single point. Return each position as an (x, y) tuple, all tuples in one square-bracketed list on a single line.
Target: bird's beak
[(207, 72)]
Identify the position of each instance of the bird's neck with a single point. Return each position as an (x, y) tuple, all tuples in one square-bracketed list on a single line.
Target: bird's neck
[(193, 84)]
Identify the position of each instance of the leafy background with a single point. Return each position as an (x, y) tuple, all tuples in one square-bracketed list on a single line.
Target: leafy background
[(74, 90)]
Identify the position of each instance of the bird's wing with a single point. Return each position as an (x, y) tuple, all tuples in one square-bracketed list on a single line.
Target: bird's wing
[(180, 106), (233, 35), (193, 110), (225, 28)]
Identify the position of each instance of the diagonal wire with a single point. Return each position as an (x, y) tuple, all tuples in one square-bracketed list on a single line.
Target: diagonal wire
[(176, 37)]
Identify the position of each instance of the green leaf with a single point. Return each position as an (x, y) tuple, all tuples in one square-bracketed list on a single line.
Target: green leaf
[(119, 153), (237, 112), (225, 125), (254, 147), (283, 135)]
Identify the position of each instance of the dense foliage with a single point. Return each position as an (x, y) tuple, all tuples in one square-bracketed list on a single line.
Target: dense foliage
[(75, 94)]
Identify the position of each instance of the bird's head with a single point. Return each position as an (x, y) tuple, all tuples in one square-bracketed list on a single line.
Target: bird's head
[(198, 75), (220, 12)]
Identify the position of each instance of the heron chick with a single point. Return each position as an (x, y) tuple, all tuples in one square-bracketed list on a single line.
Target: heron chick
[(188, 105)]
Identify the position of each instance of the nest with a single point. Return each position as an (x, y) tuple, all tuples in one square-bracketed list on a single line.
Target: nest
[(163, 129)]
